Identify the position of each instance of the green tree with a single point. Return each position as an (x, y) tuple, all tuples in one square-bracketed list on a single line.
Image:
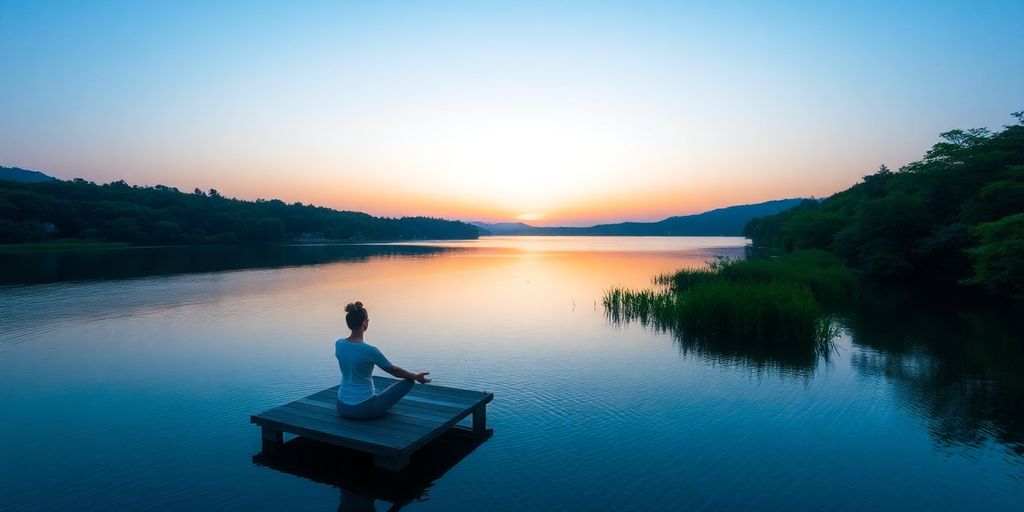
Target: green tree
[(999, 257), (124, 229), (166, 232), (269, 229)]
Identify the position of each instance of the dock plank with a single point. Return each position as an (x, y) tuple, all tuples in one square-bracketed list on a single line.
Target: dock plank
[(431, 388), (394, 423), (399, 425), (427, 390), (399, 413), (442, 407), (312, 432), (439, 403), (330, 425)]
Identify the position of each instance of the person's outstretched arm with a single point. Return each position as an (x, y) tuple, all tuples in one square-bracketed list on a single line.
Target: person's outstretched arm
[(405, 374), (383, 363)]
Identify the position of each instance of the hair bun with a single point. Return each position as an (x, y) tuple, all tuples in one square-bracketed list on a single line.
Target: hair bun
[(353, 307)]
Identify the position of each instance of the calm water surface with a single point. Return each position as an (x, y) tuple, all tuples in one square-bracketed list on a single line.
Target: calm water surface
[(127, 378)]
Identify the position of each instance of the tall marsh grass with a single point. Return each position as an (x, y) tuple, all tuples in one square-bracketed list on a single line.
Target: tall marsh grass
[(754, 309), (821, 272)]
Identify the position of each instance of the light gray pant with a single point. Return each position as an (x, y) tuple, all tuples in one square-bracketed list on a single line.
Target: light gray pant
[(377, 404)]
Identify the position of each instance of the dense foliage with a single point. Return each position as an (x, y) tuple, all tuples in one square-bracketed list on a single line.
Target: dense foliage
[(775, 311), (37, 212), (954, 216)]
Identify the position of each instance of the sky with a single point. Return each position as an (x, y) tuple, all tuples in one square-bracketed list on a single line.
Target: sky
[(557, 113)]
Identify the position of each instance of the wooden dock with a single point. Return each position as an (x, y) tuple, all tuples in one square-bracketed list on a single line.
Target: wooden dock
[(420, 416)]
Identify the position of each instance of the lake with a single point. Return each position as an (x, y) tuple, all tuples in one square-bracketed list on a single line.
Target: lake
[(127, 378)]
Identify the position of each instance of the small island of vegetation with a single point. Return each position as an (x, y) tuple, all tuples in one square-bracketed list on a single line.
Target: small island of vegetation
[(51, 213), (777, 310)]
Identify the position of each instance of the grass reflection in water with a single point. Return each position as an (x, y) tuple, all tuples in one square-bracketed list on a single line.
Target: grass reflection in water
[(767, 312)]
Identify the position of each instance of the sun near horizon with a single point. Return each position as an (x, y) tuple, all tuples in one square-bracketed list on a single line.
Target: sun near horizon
[(530, 216)]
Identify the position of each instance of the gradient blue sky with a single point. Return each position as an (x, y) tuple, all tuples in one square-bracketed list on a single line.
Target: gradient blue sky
[(570, 112)]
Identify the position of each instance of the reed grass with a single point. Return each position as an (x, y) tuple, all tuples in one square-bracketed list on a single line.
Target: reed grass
[(821, 272), (752, 306)]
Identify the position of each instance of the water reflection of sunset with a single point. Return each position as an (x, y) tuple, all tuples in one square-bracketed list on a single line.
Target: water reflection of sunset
[(501, 285), (481, 292)]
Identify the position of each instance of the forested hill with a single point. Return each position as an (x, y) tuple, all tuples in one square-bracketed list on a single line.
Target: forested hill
[(19, 174), (728, 221), (54, 210), (957, 215)]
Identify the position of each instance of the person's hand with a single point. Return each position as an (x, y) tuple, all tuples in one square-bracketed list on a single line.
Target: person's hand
[(422, 377)]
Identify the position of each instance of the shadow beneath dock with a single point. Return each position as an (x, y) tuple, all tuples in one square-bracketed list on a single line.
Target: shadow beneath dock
[(354, 474)]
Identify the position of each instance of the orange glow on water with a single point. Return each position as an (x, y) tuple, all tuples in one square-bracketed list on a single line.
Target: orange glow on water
[(538, 280)]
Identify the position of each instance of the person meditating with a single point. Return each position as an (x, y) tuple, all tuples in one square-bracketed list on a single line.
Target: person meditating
[(357, 398)]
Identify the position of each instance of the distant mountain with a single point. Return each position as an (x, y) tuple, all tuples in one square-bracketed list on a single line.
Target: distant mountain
[(23, 175), (502, 228), (728, 221)]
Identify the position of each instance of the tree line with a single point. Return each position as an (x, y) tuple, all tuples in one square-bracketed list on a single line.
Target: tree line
[(161, 215), (956, 215)]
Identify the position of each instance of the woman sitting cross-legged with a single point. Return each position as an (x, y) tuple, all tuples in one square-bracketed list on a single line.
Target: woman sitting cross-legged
[(357, 398)]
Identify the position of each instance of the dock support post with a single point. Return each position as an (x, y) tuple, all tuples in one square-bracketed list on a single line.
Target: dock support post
[(480, 420), (391, 461), (272, 439)]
